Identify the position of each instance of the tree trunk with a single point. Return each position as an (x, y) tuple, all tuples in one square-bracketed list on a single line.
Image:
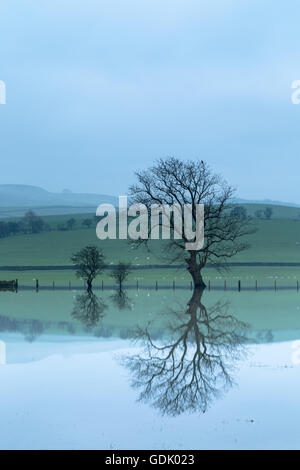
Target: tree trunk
[(195, 271), (89, 285), (195, 302)]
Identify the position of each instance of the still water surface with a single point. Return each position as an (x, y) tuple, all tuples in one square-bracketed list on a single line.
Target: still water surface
[(204, 370)]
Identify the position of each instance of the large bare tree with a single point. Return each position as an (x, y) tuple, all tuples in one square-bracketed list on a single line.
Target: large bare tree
[(173, 181)]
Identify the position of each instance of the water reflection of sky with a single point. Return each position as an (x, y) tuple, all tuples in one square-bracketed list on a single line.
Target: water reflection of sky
[(210, 371), (74, 393)]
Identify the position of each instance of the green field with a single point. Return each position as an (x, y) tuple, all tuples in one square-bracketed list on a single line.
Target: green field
[(276, 240)]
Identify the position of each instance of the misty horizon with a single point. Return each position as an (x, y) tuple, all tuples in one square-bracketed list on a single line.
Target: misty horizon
[(65, 191), (117, 87)]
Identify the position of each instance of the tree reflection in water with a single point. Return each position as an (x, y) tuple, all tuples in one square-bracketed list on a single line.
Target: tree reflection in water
[(88, 308), (121, 300), (30, 328), (193, 363)]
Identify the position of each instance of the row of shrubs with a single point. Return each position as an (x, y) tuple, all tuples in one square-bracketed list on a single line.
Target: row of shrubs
[(32, 223), (240, 212)]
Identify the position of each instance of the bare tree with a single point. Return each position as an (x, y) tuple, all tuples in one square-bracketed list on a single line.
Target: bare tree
[(239, 212), (89, 263), (121, 300), (70, 223), (268, 212), (192, 364), (87, 223), (173, 181), (34, 223), (120, 273)]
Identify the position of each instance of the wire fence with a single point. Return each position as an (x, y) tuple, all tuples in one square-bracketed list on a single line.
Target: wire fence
[(156, 285)]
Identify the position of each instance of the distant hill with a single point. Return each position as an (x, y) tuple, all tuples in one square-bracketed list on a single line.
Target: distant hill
[(12, 195), (266, 202), (16, 199)]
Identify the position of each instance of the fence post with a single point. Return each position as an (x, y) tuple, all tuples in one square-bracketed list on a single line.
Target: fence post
[(17, 285), (102, 285), (37, 286), (297, 286), (256, 285), (224, 285), (137, 285), (53, 285), (173, 285), (156, 286), (239, 286), (275, 285)]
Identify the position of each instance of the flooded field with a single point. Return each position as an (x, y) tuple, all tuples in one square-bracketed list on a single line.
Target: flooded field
[(149, 369)]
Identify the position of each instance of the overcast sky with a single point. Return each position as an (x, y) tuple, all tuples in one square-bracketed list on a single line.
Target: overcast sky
[(97, 89)]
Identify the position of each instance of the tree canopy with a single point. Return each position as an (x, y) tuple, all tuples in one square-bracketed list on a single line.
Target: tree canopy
[(173, 181)]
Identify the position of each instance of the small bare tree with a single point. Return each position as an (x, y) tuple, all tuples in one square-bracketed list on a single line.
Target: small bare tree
[(175, 182), (89, 263), (120, 273), (268, 212), (121, 300)]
